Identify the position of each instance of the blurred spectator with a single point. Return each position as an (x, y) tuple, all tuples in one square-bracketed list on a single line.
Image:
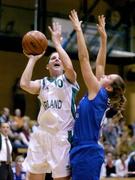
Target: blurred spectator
[(123, 145), (18, 120), (131, 166), (25, 135), (110, 133), (121, 166), (21, 138), (19, 173), (121, 125), (20, 133), (110, 165), (5, 115), (109, 148), (6, 172), (132, 143)]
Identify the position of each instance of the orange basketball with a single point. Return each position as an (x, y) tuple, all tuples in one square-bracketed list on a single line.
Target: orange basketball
[(34, 42)]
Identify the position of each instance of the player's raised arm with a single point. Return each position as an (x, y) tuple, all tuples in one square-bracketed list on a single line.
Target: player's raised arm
[(56, 38), (26, 83), (88, 76), (101, 57), (34, 44)]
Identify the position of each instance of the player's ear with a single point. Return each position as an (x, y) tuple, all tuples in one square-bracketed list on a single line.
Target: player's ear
[(109, 88)]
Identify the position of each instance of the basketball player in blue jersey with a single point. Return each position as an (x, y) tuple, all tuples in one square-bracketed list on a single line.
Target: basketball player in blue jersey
[(104, 92), (49, 147)]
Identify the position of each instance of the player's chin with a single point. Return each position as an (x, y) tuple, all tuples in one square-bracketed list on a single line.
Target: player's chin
[(58, 70)]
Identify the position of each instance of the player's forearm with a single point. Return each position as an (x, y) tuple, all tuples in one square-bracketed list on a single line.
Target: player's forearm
[(82, 48), (67, 64), (101, 58), (27, 74), (64, 57)]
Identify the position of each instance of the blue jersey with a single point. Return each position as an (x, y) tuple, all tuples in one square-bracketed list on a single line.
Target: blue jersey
[(89, 116), (87, 155)]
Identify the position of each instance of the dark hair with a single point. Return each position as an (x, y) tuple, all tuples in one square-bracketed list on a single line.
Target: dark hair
[(117, 100)]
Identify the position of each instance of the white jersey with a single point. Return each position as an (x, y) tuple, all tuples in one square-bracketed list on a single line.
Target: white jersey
[(57, 97)]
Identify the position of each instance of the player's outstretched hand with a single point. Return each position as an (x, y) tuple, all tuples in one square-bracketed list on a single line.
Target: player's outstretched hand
[(56, 33), (75, 20), (101, 26)]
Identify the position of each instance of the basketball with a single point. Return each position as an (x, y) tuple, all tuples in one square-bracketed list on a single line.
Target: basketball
[(34, 42)]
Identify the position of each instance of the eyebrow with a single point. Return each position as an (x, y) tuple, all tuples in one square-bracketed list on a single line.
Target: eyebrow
[(52, 57)]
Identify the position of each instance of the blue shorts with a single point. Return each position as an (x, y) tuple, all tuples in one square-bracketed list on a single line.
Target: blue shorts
[(86, 162)]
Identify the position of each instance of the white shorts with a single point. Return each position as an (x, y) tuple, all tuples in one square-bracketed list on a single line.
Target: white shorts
[(48, 153)]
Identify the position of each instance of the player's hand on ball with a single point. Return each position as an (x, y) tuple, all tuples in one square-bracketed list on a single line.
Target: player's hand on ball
[(35, 57)]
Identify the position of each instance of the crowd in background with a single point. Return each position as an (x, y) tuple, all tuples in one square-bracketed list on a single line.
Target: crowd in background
[(19, 127), (117, 138), (119, 143)]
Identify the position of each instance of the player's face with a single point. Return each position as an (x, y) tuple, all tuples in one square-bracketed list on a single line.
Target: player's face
[(55, 64), (106, 80)]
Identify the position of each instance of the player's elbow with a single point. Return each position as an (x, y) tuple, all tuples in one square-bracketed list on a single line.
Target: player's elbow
[(23, 85)]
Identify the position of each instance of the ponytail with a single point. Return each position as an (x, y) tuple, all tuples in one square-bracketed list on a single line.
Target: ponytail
[(117, 100)]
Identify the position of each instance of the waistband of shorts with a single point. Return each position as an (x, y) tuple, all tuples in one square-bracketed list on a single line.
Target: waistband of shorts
[(68, 132)]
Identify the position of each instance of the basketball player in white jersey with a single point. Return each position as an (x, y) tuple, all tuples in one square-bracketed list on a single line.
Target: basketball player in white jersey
[(49, 146)]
